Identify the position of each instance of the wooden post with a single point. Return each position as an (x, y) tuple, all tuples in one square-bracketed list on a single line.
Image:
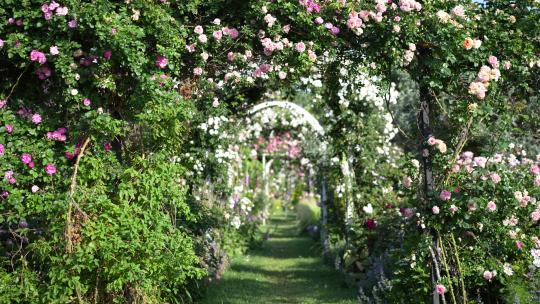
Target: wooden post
[(427, 174)]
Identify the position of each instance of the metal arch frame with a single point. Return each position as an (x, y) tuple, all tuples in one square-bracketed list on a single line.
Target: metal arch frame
[(311, 120)]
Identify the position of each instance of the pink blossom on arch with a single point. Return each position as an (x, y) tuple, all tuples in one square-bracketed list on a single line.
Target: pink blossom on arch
[(445, 195), (440, 289), (217, 34), (38, 56), (495, 178), (107, 54), (161, 61), (198, 30), (458, 11), (493, 61), (36, 119), (26, 158), (491, 206), (50, 169), (57, 135), (197, 71), (300, 47)]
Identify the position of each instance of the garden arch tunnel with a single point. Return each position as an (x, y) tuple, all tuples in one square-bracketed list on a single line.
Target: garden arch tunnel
[(316, 126)]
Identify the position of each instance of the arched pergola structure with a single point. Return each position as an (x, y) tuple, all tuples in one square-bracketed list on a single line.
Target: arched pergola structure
[(294, 108), (319, 130)]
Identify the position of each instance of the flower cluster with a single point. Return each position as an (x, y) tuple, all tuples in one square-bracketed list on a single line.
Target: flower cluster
[(485, 75)]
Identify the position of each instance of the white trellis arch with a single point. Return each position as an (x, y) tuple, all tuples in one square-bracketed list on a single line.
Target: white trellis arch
[(296, 109)]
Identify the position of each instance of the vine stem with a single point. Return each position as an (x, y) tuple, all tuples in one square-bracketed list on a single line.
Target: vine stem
[(437, 272), (17, 82), (456, 254), (444, 260), (68, 233)]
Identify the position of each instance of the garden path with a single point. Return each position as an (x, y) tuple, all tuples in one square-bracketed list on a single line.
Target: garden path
[(287, 269)]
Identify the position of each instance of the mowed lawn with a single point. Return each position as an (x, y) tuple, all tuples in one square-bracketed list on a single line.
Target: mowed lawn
[(286, 269)]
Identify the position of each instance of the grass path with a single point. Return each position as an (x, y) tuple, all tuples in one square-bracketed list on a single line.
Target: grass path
[(286, 270)]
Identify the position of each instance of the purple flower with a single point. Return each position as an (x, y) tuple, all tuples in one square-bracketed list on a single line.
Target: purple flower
[(72, 23), (26, 158), (107, 54), (43, 72), (370, 224), (50, 169), (161, 62)]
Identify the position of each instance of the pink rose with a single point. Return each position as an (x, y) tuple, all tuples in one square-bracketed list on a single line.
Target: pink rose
[(407, 182), (537, 181), (491, 206), (26, 158), (440, 289), (161, 62), (535, 215), (300, 47), (50, 169), (493, 61), (432, 141), (445, 195), (233, 33), (35, 189), (319, 20), (107, 54), (86, 102), (488, 275), (495, 178), (230, 56), (36, 119), (453, 209), (458, 11), (535, 170), (2, 149), (435, 210), (217, 34), (198, 30), (38, 56), (198, 71), (9, 129)]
